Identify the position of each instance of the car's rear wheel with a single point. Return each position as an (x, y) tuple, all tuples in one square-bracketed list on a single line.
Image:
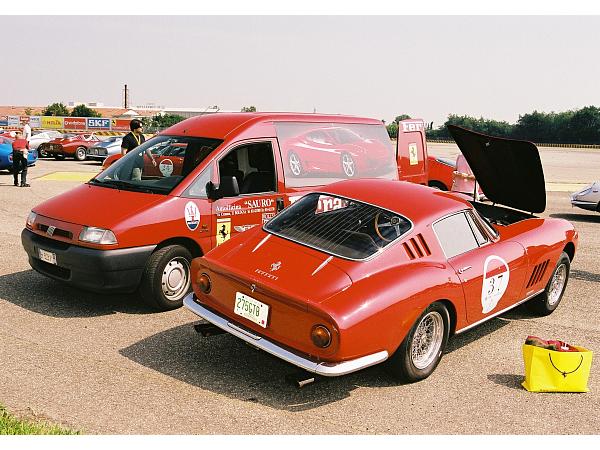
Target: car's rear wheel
[(421, 351), (348, 165), (80, 154), (166, 279), (295, 164), (548, 301)]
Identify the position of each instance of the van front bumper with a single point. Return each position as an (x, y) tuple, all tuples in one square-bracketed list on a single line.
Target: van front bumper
[(104, 271), (327, 369)]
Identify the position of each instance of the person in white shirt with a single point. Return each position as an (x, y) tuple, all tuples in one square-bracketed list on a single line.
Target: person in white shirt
[(27, 132)]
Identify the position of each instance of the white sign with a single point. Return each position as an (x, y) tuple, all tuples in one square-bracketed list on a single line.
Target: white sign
[(14, 121), (35, 121), (495, 286)]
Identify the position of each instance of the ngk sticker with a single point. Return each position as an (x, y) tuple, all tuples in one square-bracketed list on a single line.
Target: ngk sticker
[(494, 286), (192, 215), (166, 167)]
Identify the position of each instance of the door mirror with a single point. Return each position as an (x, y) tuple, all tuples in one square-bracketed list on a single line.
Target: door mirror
[(227, 188)]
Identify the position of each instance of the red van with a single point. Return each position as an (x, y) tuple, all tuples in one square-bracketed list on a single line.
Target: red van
[(138, 224)]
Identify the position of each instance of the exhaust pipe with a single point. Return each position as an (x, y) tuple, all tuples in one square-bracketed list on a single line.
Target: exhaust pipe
[(301, 379), (208, 329)]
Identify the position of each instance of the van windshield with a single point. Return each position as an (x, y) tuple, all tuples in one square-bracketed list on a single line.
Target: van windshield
[(158, 165)]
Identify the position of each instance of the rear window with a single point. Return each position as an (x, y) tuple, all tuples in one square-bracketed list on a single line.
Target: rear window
[(315, 154), (339, 226)]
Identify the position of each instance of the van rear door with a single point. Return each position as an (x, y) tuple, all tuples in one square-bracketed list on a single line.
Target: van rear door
[(411, 151)]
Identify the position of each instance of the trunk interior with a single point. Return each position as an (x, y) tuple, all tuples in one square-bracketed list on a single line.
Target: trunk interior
[(500, 215)]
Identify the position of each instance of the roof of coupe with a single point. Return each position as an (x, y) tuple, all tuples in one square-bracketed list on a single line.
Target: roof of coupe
[(418, 203)]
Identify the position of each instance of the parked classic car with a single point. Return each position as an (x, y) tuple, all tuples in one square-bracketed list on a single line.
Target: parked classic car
[(42, 137), (440, 172), (105, 148), (335, 150), (71, 145), (588, 198), (6, 160), (365, 271)]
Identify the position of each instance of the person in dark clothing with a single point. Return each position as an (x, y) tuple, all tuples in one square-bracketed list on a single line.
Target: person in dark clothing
[(20, 150), (132, 140)]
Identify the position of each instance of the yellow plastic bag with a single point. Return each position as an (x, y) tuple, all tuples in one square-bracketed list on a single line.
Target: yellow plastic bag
[(551, 371)]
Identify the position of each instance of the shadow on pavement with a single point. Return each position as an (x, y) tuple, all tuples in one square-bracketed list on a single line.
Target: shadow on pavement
[(590, 218), (227, 366), (42, 295), (507, 379), (585, 275)]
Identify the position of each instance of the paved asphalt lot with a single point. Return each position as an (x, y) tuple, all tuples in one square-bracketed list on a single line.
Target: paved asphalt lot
[(106, 364)]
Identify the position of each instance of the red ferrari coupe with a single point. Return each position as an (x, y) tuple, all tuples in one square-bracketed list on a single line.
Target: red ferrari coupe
[(335, 150), (71, 145), (390, 270)]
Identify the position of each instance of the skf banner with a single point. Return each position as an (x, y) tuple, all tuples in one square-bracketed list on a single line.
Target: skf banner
[(75, 123), (120, 124), (94, 123), (52, 122), (35, 122)]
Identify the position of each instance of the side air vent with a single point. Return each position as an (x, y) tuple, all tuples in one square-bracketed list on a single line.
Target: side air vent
[(416, 247), (538, 273)]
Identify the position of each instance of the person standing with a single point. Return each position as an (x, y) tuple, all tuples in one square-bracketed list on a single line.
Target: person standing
[(132, 140), (20, 151), (27, 132)]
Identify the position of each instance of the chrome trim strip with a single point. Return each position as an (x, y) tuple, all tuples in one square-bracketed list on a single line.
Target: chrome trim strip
[(485, 319), (327, 369)]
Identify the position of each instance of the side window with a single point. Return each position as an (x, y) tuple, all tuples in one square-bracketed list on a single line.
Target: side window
[(198, 187), (455, 235), (253, 167)]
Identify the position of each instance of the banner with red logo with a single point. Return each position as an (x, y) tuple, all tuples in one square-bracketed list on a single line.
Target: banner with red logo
[(120, 124), (75, 123)]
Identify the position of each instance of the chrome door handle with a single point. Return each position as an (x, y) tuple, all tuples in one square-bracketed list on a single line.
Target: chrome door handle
[(464, 269)]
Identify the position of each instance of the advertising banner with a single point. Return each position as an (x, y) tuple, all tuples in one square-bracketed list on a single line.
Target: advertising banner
[(35, 122), (14, 121), (75, 123), (52, 122), (94, 123), (3, 121), (120, 124), (24, 119)]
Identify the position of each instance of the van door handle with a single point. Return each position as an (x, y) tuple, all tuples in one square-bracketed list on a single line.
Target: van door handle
[(279, 203), (464, 269)]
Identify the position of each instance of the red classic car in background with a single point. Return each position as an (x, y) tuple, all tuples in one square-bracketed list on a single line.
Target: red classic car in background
[(371, 270), (71, 145), (440, 172), (335, 150)]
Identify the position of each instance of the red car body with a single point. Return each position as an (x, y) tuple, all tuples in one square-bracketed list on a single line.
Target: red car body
[(71, 146), (389, 269), (441, 172), (157, 223)]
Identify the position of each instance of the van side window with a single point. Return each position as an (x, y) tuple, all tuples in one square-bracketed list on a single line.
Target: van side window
[(198, 187), (455, 235), (253, 167)]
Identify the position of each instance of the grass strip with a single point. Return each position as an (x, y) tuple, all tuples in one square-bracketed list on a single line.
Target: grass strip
[(11, 425)]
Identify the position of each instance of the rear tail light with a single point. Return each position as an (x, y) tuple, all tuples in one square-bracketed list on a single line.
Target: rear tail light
[(204, 283), (320, 336)]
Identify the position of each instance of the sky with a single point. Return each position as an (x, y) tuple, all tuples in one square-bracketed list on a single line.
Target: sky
[(495, 67)]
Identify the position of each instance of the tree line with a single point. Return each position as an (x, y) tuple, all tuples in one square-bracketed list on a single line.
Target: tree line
[(581, 126)]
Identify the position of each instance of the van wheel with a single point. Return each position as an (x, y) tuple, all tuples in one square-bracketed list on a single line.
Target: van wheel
[(421, 351), (80, 154), (295, 164), (348, 165), (548, 301), (166, 279)]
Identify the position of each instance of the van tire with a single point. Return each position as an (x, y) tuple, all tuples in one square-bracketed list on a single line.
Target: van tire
[(166, 279), (80, 154)]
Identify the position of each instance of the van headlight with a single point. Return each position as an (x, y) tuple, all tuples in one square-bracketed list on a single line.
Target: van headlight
[(97, 236), (31, 219)]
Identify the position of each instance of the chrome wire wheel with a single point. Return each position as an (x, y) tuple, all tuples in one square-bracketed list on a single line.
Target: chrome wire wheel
[(557, 284), (295, 165), (427, 340), (175, 280), (348, 165)]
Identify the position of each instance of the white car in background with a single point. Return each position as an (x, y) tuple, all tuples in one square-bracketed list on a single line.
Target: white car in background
[(104, 149), (588, 198)]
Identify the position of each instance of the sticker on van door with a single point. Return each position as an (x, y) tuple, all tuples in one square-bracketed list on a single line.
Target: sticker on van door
[(166, 167), (223, 230), (413, 154), (192, 215)]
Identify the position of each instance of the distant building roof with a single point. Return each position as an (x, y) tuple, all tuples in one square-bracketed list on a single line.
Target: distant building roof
[(105, 112)]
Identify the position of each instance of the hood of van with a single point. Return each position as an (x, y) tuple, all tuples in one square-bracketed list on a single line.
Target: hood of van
[(96, 206), (509, 171)]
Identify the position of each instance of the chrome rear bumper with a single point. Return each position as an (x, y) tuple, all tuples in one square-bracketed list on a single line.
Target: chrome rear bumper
[(327, 369)]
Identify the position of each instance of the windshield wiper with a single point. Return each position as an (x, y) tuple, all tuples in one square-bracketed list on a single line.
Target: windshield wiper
[(124, 185)]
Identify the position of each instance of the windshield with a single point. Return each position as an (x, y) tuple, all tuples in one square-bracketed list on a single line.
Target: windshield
[(339, 226), (158, 165)]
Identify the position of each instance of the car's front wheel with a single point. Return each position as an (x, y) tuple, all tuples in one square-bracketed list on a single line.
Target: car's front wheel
[(42, 152), (166, 279), (548, 301), (80, 154), (421, 351)]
